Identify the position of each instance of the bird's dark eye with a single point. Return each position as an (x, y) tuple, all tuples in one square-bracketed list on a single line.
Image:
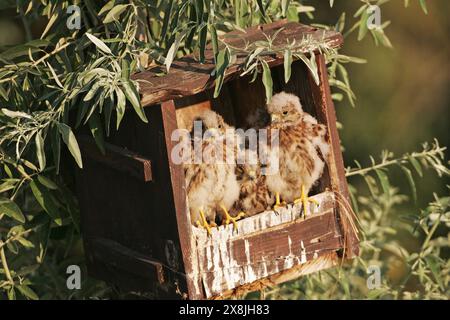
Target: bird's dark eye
[(285, 112), (220, 126)]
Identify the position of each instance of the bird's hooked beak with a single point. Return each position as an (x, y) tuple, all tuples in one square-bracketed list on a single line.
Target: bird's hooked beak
[(274, 117)]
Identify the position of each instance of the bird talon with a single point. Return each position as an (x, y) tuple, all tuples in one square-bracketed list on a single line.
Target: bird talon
[(278, 204), (203, 223), (313, 201), (305, 201), (229, 218), (276, 207)]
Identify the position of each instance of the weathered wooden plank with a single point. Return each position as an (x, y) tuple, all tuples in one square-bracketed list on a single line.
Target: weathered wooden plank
[(266, 244), (326, 114), (118, 256), (226, 279), (117, 158), (178, 199), (188, 76), (325, 261), (264, 220), (140, 216), (271, 244)]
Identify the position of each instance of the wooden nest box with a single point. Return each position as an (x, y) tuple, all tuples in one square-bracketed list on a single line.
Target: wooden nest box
[(135, 221)]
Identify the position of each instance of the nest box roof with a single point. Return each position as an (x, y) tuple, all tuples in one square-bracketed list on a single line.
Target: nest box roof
[(188, 76)]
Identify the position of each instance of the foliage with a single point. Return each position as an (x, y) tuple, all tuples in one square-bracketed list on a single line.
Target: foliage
[(68, 78)]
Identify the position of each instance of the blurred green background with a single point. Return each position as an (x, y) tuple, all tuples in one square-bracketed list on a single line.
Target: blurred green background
[(402, 93)]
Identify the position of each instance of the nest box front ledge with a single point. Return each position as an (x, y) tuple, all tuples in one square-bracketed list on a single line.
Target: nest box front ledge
[(266, 246)]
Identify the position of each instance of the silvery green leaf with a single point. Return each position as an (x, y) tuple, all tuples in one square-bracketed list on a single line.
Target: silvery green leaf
[(71, 142), (267, 80), (363, 25), (46, 201), (120, 108), (11, 209), (287, 65), (173, 51), (40, 152), (99, 43), (16, 114), (114, 13), (133, 96), (47, 182), (423, 4), (108, 6), (411, 183), (223, 61)]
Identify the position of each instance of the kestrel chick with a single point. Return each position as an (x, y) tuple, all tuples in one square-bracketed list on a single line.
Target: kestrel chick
[(302, 150), (211, 181), (255, 196)]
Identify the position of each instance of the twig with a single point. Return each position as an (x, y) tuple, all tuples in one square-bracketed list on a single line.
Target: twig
[(353, 172), (5, 264), (4, 243)]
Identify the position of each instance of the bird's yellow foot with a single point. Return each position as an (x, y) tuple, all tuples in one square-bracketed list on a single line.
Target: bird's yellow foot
[(229, 218), (203, 223), (278, 204), (305, 201)]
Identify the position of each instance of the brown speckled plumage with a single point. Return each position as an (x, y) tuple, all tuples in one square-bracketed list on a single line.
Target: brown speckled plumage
[(211, 182), (254, 196), (302, 147)]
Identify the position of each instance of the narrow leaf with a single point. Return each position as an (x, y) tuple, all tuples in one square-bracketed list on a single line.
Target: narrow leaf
[(222, 63), (267, 80), (433, 264), (133, 96), (27, 292), (383, 180), (363, 25), (45, 200), (114, 13), (47, 182), (120, 108), (410, 179), (99, 43), (71, 142), (49, 24), (56, 147), (108, 6), (287, 65), (416, 165), (40, 152), (423, 4), (11, 209)]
